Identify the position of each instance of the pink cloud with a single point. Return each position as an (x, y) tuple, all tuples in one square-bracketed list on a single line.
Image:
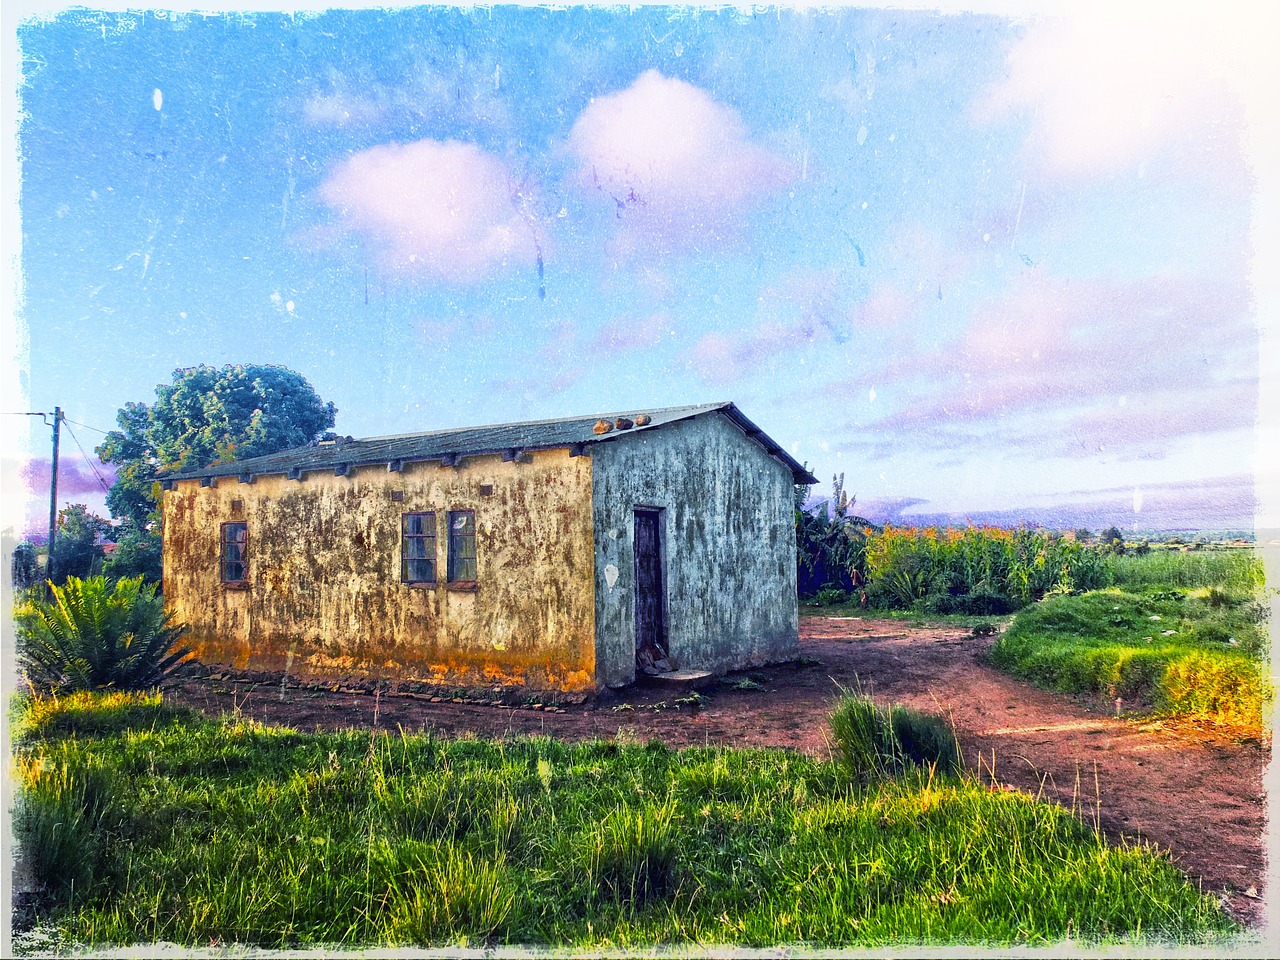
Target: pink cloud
[(1069, 366), (75, 477), (714, 358), (631, 333), (721, 359), (805, 306), (1076, 336), (1107, 91), (884, 307), (1154, 419), (441, 211), (678, 168)]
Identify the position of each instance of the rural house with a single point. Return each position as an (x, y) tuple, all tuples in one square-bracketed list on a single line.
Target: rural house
[(557, 554)]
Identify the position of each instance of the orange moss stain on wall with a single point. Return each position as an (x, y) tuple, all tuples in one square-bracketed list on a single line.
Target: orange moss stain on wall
[(324, 595)]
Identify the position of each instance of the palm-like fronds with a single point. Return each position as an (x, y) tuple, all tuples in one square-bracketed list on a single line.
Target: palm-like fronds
[(96, 636)]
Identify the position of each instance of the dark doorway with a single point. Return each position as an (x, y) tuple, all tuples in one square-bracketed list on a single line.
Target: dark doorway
[(651, 621)]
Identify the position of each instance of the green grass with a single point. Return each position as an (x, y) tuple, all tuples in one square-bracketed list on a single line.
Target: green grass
[(916, 616), (1199, 654), (1240, 571), (192, 830)]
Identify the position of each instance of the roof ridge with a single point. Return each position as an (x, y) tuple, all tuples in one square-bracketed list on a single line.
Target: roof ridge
[(700, 407), (449, 444)]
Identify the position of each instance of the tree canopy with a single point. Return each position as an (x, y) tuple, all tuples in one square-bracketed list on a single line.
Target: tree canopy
[(78, 548), (208, 415)]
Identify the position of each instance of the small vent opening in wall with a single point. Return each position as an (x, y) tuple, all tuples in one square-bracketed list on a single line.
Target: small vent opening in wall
[(397, 495), (486, 489), (237, 505)]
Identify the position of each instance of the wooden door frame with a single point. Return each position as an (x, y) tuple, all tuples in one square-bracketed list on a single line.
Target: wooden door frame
[(659, 514)]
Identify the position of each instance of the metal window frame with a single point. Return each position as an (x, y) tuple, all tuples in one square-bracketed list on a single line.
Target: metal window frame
[(450, 571), (222, 553), (434, 551)]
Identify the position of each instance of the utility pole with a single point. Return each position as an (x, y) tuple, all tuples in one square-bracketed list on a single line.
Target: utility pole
[(53, 492), (58, 417)]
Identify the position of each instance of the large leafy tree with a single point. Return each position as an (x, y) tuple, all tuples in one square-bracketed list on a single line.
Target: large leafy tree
[(207, 415)]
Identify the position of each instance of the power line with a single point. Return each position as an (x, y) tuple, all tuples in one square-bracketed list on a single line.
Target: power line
[(25, 413), (65, 419), (85, 425), (105, 485)]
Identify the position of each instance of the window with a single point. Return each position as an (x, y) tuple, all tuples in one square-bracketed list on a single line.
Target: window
[(462, 546), (418, 548), (234, 568)]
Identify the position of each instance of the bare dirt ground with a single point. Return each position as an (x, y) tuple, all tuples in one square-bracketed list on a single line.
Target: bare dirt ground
[(1187, 790)]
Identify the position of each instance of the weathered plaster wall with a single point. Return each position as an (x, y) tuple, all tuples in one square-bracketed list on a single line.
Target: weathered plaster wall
[(324, 595), (729, 542)]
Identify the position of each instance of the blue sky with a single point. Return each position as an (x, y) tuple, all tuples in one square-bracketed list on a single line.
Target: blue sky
[(972, 261)]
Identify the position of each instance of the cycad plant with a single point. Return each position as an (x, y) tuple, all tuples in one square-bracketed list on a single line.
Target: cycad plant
[(96, 635)]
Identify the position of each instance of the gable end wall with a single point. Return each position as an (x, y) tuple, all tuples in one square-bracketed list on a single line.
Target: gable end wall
[(728, 533)]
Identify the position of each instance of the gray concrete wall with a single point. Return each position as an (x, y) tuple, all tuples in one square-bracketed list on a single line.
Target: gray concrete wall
[(729, 542)]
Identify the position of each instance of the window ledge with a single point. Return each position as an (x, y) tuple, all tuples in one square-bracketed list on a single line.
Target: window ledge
[(463, 586), (418, 584), (237, 585)]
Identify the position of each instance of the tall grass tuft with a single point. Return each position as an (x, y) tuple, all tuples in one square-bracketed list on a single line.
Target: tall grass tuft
[(64, 815), (874, 743), (926, 739), (631, 857), (868, 749), (445, 893)]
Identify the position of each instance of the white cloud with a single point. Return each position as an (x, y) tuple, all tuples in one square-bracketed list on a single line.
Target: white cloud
[(1106, 91), (678, 168), (438, 210)]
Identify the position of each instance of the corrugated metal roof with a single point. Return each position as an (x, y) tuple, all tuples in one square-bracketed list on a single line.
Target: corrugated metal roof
[(504, 438)]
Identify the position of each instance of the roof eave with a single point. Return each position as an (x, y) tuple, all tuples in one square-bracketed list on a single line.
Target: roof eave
[(799, 473)]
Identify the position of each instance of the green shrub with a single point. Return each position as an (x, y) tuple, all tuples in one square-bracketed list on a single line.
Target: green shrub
[(830, 596), (139, 553), (92, 636), (980, 603)]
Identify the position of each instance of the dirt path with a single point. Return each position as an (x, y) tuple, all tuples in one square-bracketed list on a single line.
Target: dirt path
[(1198, 795)]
